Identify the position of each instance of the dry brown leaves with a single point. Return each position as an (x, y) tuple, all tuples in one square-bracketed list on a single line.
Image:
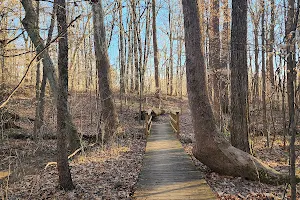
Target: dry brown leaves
[(235, 187), (100, 174)]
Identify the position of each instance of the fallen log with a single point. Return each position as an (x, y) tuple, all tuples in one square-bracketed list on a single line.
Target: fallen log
[(72, 155), (8, 119), (25, 136), (154, 113)]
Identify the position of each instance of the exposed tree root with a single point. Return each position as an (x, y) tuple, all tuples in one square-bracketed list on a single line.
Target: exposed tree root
[(225, 159)]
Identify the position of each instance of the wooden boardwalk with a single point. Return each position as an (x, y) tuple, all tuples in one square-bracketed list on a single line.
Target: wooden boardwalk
[(168, 172)]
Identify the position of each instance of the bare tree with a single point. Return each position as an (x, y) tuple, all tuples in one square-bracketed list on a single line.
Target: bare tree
[(108, 111), (291, 27), (214, 53), (155, 49), (263, 73), (121, 53), (271, 40), (37, 83), (224, 62), (65, 180), (30, 26), (239, 77), (255, 16), (135, 23), (171, 47)]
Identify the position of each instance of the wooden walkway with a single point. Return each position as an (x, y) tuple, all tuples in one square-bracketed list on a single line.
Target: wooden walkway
[(168, 172)]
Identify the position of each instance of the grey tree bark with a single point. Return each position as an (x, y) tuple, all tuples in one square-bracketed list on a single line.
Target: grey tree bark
[(64, 174), (263, 74), (224, 59), (48, 66), (37, 82), (171, 47), (291, 27), (270, 67), (155, 49), (121, 53), (108, 111), (239, 77), (214, 54)]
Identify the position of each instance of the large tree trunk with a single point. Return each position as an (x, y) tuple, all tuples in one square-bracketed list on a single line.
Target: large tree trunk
[(211, 148), (291, 27), (108, 111), (239, 77), (30, 26), (65, 180), (155, 49)]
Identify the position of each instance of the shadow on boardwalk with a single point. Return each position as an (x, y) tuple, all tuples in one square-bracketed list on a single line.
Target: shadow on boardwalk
[(168, 172)]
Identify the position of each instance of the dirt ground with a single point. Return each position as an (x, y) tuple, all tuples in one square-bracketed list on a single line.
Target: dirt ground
[(111, 172)]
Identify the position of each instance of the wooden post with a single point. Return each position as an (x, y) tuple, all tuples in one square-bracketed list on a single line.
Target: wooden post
[(146, 124), (177, 122)]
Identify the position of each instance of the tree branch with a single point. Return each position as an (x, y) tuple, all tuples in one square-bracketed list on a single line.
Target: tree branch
[(31, 62)]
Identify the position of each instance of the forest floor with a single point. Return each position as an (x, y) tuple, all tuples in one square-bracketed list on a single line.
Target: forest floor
[(111, 171), (238, 188)]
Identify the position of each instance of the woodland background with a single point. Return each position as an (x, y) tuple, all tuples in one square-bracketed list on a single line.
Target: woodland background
[(83, 82)]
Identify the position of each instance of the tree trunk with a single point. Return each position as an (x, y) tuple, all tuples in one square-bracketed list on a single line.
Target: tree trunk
[(3, 40), (131, 52), (224, 59), (171, 48), (29, 25), (271, 41), (211, 148), (65, 180), (291, 27), (37, 82), (135, 46), (263, 71), (121, 52), (146, 46), (214, 54), (129, 67), (109, 115), (155, 49), (39, 119), (239, 77), (256, 50)]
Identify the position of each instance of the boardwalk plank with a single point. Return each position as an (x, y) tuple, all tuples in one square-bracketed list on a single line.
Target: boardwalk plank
[(168, 172)]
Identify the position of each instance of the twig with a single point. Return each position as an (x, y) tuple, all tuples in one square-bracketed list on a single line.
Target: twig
[(19, 54), (15, 38)]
